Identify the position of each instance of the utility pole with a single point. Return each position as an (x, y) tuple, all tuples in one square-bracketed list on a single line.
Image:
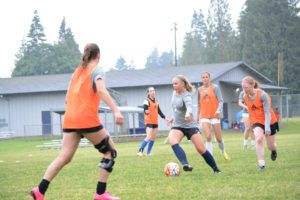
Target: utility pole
[(175, 29)]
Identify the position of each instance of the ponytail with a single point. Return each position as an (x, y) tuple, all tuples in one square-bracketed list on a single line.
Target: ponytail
[(90, 52), (188, 86)]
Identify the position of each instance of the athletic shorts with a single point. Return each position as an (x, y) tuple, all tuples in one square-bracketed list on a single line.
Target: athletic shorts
[(84, 130), (152, 125), (188, 132), (245, 115), (211, 120), (274, 127)]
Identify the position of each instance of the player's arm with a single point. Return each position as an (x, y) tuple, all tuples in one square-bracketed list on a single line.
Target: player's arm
[(187, 98), (266, 104), (146, 107), (241, 100), (218, 94), (199, 107)]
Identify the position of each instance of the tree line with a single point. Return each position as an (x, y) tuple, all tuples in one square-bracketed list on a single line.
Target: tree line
[(266, 29)]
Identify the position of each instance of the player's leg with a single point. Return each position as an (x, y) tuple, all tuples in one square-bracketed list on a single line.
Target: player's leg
[(259, 138), (153, 134), (206, 129), (217, 129), (272, 146), (69, 146), (145, 141), (175, 137), (105, 145), (246, 131), (200, 147)]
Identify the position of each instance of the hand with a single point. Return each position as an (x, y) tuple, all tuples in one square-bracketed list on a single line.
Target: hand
[(147, 112), (119, 119), (169, 122), (217, 114), (197, 120), (268, 133), (187, 116)]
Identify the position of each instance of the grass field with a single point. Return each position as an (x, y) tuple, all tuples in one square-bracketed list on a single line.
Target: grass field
[(22, 166)]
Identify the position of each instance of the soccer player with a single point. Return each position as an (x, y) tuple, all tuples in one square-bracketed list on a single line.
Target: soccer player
[(210, 105), (246, 120), (262, 117), (81, 119), (184, 124), (151, 112)]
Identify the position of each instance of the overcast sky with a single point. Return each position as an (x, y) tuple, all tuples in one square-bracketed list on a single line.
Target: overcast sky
[(130, 28)]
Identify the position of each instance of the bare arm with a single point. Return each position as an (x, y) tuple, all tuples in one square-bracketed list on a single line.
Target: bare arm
[(104, 94)]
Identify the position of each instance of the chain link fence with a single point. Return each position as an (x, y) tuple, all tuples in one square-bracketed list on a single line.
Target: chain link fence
[(288, 105)]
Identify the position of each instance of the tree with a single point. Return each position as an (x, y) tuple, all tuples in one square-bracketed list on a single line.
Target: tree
[(36, 33), (269, 27), (220, 35), (195, 41), (121, 65), (153, 59), (166, 59)]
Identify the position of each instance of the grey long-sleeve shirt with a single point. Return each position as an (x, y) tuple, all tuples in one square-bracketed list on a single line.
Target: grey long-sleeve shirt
[(266, 104), (218, 94), (241, 96), (181, 105)]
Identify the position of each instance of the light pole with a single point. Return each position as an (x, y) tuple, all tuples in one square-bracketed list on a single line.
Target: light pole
[(175, 29)]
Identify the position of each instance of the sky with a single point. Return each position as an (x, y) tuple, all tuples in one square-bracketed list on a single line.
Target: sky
[(127, 28)]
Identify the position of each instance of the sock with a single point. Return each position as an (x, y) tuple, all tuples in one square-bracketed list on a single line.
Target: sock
[(245, 142), (43, 186), (151, 143), (210, 160), (101, 187), (180, 154), (252, 142), (261, 163), (144, 143), (209, 147), (221, 146)]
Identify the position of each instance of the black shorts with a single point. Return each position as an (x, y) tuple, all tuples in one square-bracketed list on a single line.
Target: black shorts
[(274, 127), (84, 130), (152, 125), (188, 132)]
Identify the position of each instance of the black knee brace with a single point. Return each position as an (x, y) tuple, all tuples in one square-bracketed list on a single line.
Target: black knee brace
[(103, 147), (109, 163)]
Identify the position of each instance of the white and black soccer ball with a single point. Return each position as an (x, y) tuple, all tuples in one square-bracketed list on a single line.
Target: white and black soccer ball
[(172, 169)]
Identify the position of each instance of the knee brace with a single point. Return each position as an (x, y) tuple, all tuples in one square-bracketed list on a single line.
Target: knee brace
[(103, 147)]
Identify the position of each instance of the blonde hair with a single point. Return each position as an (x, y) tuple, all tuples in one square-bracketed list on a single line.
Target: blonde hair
[(205, 73), (249, 80), (188, 86)]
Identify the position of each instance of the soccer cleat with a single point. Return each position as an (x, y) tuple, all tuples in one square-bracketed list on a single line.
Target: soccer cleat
[(226, 157), (150, 154), (217, 171), (261, 168), (187, 167), (245, 147), (273, 155), (36, 195), (139, 153), (105, 196)]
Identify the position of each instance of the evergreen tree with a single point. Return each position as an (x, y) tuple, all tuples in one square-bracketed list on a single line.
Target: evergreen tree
[(268, 27), (166, 59), (153, 59), (121, 65), (36, 33)]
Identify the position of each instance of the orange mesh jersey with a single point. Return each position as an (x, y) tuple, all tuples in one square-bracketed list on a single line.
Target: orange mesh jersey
[(152, 117), (82, 102), (208, 103), (256, 109)]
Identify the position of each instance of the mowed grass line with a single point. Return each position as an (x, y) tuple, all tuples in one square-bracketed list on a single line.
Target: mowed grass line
[(22, 166)]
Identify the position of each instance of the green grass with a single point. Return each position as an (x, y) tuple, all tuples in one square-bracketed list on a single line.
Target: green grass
[(22, 166)]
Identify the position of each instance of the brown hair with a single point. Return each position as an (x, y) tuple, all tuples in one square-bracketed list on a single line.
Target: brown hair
[(148, 89), (250, 81), (91, 51), (188, 86)]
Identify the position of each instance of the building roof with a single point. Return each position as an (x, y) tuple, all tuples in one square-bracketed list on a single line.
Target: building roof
[(121, 79), (262, 86)]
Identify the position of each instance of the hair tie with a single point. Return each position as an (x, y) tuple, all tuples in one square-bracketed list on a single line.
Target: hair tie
[(246, 81)]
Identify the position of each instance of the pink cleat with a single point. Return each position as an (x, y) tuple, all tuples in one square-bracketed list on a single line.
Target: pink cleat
[(105, 196), (36, 195)]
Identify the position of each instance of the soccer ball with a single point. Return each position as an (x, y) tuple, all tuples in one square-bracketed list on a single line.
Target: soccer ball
[(172, 169)]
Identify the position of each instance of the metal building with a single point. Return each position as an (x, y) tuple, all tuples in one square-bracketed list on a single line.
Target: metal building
[(26, 103)]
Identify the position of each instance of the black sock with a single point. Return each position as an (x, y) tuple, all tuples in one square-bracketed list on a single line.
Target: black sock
[(101, 187), (180, 154), (43, 186), (210, 160)]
